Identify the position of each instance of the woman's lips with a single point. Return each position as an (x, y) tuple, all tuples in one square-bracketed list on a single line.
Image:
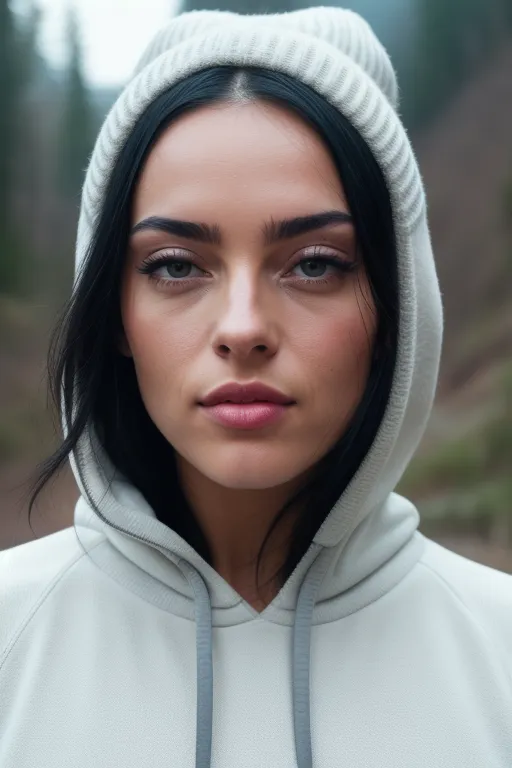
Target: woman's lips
[(253, 415)]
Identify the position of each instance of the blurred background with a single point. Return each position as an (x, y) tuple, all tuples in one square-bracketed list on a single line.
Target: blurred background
[(62, 65)]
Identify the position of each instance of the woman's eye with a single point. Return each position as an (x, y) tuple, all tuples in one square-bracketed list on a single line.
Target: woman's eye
[(320, 267), (170, 270), (313, 267), (176, 269)]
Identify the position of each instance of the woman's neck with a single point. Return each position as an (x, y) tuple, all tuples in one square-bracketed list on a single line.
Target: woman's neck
[(235, 522)]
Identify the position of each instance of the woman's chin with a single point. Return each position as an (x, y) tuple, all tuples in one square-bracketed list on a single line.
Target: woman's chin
[(252, 478), (245, 469)]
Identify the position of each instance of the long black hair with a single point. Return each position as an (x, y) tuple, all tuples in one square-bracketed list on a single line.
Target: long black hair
[(98, 384)]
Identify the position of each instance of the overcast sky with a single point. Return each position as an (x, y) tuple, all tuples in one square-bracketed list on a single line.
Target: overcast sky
[(114, 33)]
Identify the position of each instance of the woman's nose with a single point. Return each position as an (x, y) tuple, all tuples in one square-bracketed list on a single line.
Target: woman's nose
[(246, 324)]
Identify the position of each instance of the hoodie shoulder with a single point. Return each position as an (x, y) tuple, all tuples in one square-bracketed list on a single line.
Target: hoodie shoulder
[(29, 572), (485, 592)]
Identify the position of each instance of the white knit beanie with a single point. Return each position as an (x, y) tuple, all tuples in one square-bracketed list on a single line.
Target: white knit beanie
[(332, 50), (335, 52)]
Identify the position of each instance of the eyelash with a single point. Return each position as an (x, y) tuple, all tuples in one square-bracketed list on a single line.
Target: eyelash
[(155, 261)]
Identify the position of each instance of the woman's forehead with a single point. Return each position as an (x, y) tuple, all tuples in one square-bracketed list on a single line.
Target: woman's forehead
[(250, 155)]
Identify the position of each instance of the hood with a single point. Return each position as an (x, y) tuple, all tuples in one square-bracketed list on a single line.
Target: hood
[(367, 542)]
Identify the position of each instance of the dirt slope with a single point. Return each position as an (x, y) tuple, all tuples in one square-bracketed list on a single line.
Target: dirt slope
[(466, 161)]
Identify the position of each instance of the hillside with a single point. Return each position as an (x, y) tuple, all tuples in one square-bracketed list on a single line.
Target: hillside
[(466, 161)]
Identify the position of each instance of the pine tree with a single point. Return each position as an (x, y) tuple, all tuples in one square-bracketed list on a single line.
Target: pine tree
[(8, 91), (76, 129), (11, 82)]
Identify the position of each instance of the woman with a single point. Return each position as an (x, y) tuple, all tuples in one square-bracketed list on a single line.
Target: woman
[(246, 368)]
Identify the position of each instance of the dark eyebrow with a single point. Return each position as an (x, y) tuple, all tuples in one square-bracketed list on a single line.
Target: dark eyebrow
[(288, 228), (203, 233), (272, 231)]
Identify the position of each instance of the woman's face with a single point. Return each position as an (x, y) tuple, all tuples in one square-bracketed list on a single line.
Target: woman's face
[(240, 298)]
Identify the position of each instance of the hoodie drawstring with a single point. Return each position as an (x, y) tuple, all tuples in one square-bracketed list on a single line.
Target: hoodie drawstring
[(204, 709), (301, 663)]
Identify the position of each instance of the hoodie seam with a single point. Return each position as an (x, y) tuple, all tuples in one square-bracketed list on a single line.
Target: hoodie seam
[(122, 585), (35, 608), (118, 581), (453, 591)]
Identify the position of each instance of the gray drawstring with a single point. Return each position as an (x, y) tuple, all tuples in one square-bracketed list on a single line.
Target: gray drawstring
[(204, 712), (301, 663)]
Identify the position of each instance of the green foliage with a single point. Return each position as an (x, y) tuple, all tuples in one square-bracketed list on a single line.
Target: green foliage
[(465, 485), (475, 469), (483, 512), (453, 464)]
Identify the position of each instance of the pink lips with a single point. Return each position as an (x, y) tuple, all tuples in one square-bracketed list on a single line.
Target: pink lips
[(245, 406)]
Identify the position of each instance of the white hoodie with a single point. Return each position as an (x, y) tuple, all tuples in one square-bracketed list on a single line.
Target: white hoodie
[(120, 647)]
